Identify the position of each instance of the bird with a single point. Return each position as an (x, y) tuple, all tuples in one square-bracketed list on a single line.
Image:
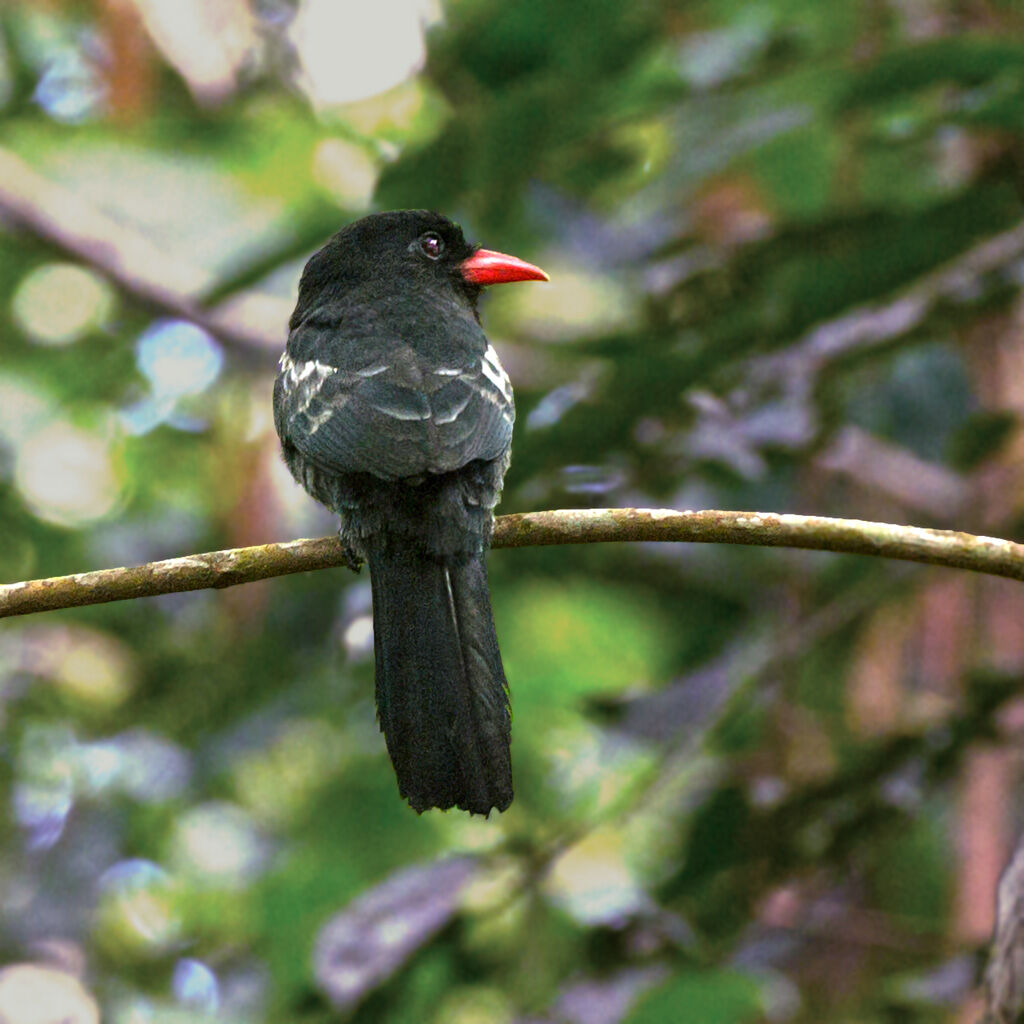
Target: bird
[(393, 411)]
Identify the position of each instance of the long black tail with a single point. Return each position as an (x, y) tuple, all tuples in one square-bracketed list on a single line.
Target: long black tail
[(442, 698)]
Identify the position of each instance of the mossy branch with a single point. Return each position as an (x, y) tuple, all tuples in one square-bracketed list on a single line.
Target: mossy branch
[(215, 569)]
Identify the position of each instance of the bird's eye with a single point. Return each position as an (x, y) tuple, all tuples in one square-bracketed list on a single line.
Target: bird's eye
[(432, 245)]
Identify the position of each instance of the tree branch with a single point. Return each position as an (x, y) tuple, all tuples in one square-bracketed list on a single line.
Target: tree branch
[(253, 324), (216, 569)]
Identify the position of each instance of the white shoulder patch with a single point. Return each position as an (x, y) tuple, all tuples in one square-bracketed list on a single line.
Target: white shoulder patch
[(492, 369), (298, 372), (302, 371)]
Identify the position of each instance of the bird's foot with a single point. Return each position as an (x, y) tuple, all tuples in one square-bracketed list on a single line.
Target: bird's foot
[(351, 560)]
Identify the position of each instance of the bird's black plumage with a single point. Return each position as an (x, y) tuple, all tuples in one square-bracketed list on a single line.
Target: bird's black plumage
[(393, 410)]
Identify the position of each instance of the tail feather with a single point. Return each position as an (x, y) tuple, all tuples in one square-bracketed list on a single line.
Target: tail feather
[(442, 698)]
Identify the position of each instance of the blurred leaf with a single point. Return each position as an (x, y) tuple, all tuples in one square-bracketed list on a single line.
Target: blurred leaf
[(911, 875), (980, 437), (712, 997), (968, 60), (570, 640), (360, 948)]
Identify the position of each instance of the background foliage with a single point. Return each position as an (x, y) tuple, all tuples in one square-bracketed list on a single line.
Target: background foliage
[(787, 254)]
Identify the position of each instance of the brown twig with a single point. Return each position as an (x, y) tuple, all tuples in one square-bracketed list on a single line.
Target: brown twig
[(567, 526)]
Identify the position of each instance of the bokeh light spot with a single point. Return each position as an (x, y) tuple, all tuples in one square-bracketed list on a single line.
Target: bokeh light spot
[(24, 410), (195, 986), (44, 793), (574, 304), (178, 358), (70, 90), (58, 303), (592, 881), (219, 841), (38, 994), (358, 638), (95, 668), (42, 807), (152, 768), (66, 475), (346, 171), (137, 909), (350, 50)]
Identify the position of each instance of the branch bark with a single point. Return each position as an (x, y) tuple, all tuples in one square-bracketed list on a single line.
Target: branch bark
[(217, 569)]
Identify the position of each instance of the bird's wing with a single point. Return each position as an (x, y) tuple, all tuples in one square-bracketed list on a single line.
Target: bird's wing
[(376, 406)]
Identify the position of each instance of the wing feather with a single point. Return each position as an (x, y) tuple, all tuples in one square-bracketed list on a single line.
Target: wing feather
[(378, 406)]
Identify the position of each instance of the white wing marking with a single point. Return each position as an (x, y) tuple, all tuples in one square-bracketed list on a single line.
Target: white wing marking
[(302, 371), (492, 369)]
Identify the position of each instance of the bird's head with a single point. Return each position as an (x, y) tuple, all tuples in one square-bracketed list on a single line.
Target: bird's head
[(420, 248)]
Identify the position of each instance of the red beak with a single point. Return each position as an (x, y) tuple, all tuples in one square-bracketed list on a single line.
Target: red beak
[(487, 267)]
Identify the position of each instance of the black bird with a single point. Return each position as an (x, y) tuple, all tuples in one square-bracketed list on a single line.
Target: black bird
[(394, 411)]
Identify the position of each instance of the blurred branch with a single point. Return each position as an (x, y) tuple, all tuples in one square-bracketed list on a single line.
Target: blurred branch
[(961, 281), (137, 265), (308, 230), (219, 569), (890, 470), (362, 946), (787, 380)]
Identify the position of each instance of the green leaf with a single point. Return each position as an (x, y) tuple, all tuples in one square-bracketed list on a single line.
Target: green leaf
[(967, 60), (710, 997), (982, 435)]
